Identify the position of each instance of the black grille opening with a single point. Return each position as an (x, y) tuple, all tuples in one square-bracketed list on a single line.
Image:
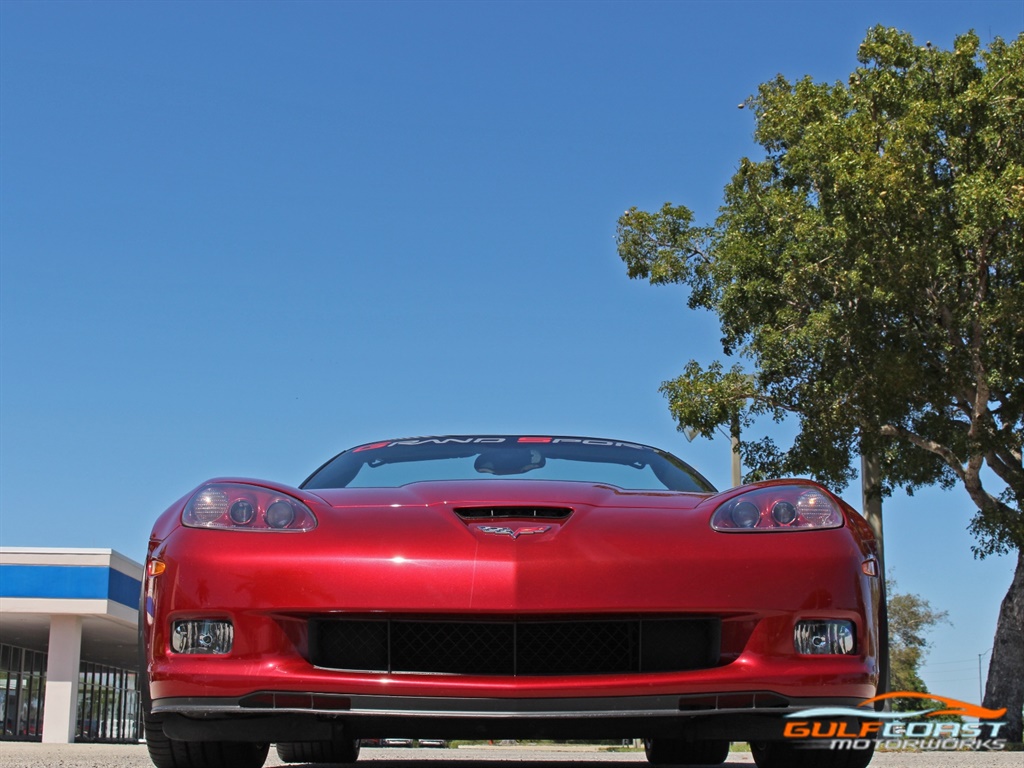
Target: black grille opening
[(548, 513), (469, 649), (511, 647), (358, 644), (586, 647)]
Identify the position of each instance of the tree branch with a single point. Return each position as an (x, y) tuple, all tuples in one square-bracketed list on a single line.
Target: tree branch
[(947, 455), (1007, 467)]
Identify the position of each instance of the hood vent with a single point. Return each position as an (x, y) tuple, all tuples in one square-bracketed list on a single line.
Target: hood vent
[(489, 513)]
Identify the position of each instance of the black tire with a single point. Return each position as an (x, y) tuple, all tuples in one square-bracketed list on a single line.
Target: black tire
[(343, 751), (166, 752), (783, 754), (157, 743), (665, 751)]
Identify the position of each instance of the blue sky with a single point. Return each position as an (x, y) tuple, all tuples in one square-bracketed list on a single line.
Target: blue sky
[(237, 238)]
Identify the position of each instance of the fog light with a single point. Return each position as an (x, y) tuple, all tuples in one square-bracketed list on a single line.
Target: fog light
[(824, 636), (202, 636)]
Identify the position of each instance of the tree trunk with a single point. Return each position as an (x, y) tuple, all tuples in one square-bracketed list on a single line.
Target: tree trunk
[(871, 498), (1005, 686), (737, 467)]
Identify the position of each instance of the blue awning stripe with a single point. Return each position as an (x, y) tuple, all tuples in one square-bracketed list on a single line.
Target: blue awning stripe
[(69, 582)]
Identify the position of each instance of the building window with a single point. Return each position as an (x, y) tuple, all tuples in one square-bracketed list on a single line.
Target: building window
[(22, 684), (108, 699), (108, 704)]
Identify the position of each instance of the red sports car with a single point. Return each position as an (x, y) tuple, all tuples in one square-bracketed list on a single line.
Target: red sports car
[(504, 586)]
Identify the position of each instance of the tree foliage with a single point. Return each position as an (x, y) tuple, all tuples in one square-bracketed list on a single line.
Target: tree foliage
[(870, 268), (911, 617)]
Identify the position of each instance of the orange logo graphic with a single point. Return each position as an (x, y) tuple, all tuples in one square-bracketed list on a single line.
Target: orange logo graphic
[(955, 707)]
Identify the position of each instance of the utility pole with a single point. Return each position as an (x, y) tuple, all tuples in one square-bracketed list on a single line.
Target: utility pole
[(981, 689)]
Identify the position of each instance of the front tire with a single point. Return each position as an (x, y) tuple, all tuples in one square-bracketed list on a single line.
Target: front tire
[(665, 751), (343, 751), (783, 754), (166, 752)]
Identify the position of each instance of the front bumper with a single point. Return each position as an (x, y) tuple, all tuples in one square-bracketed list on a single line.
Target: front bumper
[(291, 716)]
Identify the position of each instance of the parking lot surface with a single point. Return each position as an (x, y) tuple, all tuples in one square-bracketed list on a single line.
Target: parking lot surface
[(24, 755)]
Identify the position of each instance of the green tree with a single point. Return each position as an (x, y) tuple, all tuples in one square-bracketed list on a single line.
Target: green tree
[(870, 269), (911, 617)]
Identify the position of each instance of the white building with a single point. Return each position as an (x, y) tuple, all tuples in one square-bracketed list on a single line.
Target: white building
[(69, 645)]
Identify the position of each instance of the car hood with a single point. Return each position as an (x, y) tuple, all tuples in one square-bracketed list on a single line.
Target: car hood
[(416, 550)]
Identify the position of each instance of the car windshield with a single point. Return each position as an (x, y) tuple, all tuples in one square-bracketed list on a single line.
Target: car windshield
[(394, 463)]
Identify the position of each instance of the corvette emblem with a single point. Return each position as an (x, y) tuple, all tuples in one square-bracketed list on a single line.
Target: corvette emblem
[(515, 533)]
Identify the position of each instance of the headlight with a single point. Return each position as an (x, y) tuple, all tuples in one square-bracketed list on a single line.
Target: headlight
[(240, 507), (778, 508)]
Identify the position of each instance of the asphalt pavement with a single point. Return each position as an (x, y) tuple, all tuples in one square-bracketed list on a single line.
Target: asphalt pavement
[(26, 755)]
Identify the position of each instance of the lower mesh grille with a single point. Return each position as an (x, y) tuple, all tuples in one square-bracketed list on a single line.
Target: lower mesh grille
[(508, 648)]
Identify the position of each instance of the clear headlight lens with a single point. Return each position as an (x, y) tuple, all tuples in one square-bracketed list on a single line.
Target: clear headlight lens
[(209, 504), (242, 507), (778, 508)]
